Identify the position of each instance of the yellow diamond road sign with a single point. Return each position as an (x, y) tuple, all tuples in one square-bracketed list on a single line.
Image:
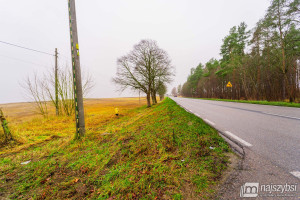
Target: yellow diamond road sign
[(229, 84)]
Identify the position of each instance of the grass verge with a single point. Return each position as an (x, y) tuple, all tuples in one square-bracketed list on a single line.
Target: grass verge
[(161, 152), (272, 103)]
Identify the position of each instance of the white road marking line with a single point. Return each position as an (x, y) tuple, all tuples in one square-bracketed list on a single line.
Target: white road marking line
[(210, 122), (296, 173), (281, 115), (239, 139)]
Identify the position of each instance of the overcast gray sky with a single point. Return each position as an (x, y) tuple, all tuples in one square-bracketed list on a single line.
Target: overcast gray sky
[(191, 31)]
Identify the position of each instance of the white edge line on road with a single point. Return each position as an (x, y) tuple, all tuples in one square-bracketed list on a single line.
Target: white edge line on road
[(280, 115), (210, 122), (296, 174), (239, 139)]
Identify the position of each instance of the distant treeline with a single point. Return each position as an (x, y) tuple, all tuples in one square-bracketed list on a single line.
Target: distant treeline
[(262, 64)]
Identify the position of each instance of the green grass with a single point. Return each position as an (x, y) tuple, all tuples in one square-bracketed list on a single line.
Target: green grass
[(160, 152), (273, 103)]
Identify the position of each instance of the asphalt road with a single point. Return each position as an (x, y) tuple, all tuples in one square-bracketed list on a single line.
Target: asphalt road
[(272, 132)]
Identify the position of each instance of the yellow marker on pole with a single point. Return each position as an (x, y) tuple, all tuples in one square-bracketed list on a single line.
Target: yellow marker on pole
[(77, 47), (229, 84), (117, 111)]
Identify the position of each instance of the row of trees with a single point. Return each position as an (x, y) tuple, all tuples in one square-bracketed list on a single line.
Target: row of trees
[(262, 64), (146, 68)]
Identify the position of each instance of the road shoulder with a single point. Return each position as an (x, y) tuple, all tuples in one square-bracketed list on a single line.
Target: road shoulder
[(255, 169)]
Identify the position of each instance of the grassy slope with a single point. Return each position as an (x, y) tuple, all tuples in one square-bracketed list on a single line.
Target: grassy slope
[(273, 103), (160, 152)]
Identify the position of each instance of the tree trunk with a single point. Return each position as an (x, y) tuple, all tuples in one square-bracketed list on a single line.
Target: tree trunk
[(283, 87), (282, 44), (148, 100), (258, 93), (153, 95), (154, 101)]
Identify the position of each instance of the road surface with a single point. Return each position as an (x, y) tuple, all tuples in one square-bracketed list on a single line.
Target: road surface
[(272, 132)]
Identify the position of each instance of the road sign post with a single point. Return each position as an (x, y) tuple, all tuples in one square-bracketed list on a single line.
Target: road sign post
[(230, 86)]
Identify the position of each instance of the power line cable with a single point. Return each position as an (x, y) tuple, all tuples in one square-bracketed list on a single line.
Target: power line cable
[(24, 61), (26, 48)]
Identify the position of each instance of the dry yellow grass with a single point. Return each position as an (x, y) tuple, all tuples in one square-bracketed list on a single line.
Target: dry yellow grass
[(162, 152), (29, 127)]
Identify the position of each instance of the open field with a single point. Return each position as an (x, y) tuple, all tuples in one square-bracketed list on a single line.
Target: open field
[(161, 152), (272, 103), (30, 128)]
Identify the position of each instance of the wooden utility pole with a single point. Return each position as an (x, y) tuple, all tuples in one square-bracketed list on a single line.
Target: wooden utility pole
[(78, 98), (56, 83)]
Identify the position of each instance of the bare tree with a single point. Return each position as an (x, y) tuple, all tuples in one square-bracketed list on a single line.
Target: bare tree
[(34, 88), (143, 68), (42, 90), (49, 84), (162, 71), (66, 91)]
